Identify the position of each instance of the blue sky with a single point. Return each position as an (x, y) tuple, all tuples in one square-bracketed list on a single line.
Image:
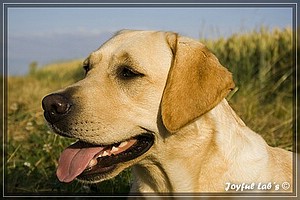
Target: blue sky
[(46, 35)]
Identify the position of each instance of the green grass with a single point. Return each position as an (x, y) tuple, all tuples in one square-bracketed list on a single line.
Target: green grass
[(32, 149), (262, 66), (262, 59)]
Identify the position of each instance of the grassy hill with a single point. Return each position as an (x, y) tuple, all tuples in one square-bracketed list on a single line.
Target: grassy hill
[(263, 68)]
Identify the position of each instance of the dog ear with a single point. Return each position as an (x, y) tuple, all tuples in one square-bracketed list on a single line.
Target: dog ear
[(196, 83)]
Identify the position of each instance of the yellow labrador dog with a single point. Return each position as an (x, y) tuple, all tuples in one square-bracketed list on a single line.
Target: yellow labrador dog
[(155, 101)]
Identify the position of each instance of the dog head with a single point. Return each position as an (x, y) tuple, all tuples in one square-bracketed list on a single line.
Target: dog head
[(134, 82)]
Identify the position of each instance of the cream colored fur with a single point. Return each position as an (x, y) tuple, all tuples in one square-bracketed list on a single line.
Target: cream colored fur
[(200, 143), (216, 149)]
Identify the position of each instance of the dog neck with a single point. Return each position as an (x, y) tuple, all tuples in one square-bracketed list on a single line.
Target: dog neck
[(177, 168)]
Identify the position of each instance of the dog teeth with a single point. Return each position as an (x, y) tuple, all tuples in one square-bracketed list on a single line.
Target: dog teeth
[(102, 154), (92, 163), (123, 144), (114, 149), (105, 153)]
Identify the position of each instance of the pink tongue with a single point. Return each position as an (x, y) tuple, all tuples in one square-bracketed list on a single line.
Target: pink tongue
[(74, 160)]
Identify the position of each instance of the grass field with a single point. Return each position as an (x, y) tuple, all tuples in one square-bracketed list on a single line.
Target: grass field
[(263, 68)]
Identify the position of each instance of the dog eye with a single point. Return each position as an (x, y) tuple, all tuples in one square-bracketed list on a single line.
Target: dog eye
[(86, 68), (86, 65), (128, 73)]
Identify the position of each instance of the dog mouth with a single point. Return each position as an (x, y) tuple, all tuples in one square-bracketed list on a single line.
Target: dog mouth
[(88, 162)]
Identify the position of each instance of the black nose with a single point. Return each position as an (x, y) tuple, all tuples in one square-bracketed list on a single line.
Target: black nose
[(55, 106)]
